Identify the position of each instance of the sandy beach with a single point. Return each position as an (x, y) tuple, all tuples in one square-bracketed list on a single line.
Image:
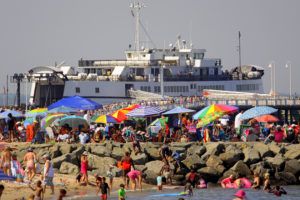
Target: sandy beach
[(17, 191)]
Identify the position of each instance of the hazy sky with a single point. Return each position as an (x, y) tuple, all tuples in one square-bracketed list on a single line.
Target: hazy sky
[(35, 32)]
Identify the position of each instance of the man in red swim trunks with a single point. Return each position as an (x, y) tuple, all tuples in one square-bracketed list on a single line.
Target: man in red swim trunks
[(126, 163), (105, 190)]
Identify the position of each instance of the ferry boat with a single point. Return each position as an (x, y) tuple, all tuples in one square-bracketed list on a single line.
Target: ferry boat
[(179, 70)]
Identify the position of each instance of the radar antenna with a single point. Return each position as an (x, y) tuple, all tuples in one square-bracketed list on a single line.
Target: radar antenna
[(135, 11)]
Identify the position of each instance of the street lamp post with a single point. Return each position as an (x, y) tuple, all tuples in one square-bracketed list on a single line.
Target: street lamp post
[(289, 65)]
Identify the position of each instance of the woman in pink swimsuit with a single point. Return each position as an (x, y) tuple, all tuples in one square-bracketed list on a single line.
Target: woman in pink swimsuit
[(135, 175), (84, 167)]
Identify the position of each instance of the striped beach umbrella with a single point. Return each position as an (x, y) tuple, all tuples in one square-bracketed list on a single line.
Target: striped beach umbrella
[(104, 119), (257, 111), (215, 110), (38, 112), (145, 111)]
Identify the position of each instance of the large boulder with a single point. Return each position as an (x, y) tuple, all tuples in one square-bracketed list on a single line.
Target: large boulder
[(287, 177), (196, 149), (230, 158), (276, 162), (214, 148), (263, 149), (55, 151), (141, 168), (293, 153), (56, 162), (259, 168), (209, 174), (181, 144), (152, 171), (293, 146), (251, 156), (117, 153), (213, 161), (65, 148), (229, 173), (153, 153), (275, 148), (101, 151), (139, 159), (194, 161), (68, 168), (241, 168), (101, 164), (292, 166), (178, 149)]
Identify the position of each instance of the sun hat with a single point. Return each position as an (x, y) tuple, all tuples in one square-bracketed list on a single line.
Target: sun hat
[(85, 153), (30, 149), (46, 156), (240, 194)]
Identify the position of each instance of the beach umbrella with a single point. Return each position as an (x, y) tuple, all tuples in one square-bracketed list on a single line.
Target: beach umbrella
[(215, 110), (73, 121), (76, 102), (4, 115), (104, 119), (209, 119), (131, 107), (267, 118), (48, 120), (63, 109), (145, 111), (4, 177), (120, 115), (38, 112), (178, 110), (257, 112)]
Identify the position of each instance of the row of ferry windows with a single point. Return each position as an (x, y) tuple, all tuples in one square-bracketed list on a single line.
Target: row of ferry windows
[(245, 87), (77, 90)]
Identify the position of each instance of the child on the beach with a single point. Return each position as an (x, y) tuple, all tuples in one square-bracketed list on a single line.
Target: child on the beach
[(121, 192), (188, 189), (38, 190), (62, 194), (98, 181), (105, 190), (110, 176), (159, 182)]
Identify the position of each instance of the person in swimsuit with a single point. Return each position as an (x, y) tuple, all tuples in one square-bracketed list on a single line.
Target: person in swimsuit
[(256, 181), (105, 190), (166, 171), (225, 183), (267, 185), (30, 159), (240, 195), (38, 190), (48, 174), (135, 176), (278, 191), (192, 177), (110, 176), (126, 163), (84, 164), (6, 161)]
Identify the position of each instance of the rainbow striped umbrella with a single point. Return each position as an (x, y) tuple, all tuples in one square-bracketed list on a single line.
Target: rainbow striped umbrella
[(46, 121), (104, 119), (120, 115), (38, 112), (215, 110)]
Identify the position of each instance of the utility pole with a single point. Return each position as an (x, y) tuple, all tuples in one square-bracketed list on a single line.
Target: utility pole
[(240, 55)]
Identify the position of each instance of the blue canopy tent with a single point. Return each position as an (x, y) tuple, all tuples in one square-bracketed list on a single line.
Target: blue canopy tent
[(76, 102), (63, 109)]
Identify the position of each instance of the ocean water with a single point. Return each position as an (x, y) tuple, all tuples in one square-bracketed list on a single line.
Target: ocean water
[(205, 194)]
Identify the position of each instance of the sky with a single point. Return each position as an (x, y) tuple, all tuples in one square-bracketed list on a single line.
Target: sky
[(35, 33)]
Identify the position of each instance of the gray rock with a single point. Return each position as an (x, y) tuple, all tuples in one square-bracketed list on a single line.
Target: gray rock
[(213, 161), (68, 168), (251, 156), (263, 149), (193, 161), (56, 162), (54, 151), (220, 169), (96, 162), (229, 173), (292, 166), (196, 149), (276, 162), (214, 148), (128, 147), (103, 172), (153, 153), (275, 148), (287, 177), (241, 168), (65, 148), (293, 146), (259, 168), (154, 166), (178, 149), (101, 151), (293, 153), (181, 144), (141, 168), (230, 158), (139, 159), (209, 174), (117, 153)]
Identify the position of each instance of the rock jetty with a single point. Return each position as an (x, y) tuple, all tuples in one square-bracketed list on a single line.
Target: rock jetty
[(213, 161)]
